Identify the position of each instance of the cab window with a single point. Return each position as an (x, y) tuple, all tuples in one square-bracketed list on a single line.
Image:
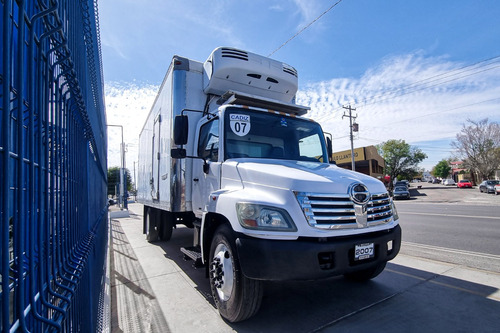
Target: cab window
[(208, 143)]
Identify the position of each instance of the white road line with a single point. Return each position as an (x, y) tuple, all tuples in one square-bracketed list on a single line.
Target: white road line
[(454, 251), (451, 215)]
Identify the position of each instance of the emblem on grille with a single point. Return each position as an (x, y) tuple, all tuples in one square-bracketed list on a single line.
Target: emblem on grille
[(359, 193)]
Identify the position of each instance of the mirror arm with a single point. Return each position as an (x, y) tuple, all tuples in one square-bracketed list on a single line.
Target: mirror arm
[(205, 163)]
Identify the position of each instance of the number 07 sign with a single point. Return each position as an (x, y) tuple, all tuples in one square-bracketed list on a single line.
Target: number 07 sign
[(240, 124)]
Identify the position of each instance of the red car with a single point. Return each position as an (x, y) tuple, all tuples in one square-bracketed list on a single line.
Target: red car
[(464, 183)]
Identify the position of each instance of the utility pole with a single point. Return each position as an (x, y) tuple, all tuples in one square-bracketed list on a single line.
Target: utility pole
[(122, 198), (351, 117)]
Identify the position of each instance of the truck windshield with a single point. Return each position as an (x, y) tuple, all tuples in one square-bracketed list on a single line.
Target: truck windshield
[(260, 134)]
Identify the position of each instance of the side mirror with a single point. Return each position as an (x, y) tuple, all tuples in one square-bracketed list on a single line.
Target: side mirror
[(178, 153), (329, 150), (180, 130)]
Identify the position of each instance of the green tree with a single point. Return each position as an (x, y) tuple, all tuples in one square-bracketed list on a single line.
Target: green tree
[(478, 146), (114, 180), (400, 158), (442, 169)]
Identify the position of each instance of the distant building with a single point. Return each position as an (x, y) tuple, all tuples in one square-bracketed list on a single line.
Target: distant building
[(366, 160), (426, 176), (458, 172)]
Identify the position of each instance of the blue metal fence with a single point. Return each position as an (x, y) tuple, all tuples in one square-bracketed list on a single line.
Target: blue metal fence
[(53, 141)]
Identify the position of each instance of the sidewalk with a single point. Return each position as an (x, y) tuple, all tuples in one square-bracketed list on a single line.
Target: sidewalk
[(154, 290), (150, 292)]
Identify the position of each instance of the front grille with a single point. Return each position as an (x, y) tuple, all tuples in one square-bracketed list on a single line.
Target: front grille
[(337, 211)]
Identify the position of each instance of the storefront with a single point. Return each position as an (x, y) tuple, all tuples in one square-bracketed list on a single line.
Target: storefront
[(366, 160)]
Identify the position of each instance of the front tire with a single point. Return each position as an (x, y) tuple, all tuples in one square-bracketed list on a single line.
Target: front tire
[(236, 296), (366, 274)]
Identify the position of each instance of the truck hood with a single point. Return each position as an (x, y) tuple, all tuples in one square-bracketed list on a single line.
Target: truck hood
[(301, 176)]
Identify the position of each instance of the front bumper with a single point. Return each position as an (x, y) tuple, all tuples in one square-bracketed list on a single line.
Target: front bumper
[(312, 258)]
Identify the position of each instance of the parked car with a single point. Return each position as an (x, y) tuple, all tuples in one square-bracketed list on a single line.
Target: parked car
[(436, 181), (404, 183), (449, 182), (488, 186), (401, 192), (464, 183), (497, 189)]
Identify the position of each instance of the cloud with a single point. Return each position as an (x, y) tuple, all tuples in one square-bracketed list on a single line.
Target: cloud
[(276, 8), (422, 100), (409, 97), (308, 11), (127, 104)]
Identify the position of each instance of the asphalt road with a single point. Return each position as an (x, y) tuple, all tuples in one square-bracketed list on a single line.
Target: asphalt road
[(460, 226), (445, 279)]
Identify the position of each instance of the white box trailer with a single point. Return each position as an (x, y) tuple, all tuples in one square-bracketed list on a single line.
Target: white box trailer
[(226, 151)]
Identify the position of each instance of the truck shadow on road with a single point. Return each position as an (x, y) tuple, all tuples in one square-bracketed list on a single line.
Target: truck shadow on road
[(401, 298)]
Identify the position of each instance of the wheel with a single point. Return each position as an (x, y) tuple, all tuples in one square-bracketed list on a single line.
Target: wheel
[(366, 274), (151, 221), (167, 225), (236, 296)]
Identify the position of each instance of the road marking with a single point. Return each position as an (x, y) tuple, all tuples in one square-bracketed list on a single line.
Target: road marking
[(450, 215), (454, 251)]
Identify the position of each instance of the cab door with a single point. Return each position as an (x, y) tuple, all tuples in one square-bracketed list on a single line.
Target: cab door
[(206, 169)]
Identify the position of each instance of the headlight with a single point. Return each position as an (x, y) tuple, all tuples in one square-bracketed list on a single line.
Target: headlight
[(254, 216), (394, 211)]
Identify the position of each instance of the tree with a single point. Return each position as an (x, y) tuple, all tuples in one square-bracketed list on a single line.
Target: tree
[(400, 158), (442, 169), (478, 146), (114, 179)]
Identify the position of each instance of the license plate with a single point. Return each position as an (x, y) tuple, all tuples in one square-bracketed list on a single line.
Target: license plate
[(364, 251)]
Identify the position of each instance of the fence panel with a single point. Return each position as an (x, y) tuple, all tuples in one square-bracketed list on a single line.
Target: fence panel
[(53, 141)]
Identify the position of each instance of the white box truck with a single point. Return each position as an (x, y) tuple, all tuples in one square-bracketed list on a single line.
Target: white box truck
[(226, 151)]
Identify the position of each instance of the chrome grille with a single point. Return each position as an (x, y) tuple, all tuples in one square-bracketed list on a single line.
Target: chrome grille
[(337, 211)]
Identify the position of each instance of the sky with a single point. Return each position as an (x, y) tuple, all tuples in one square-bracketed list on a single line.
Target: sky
[(416, 71)]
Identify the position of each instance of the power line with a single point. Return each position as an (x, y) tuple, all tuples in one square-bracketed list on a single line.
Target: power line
[(437, 77), (304, 28), (424, 83), (441, 112), (416, 87)]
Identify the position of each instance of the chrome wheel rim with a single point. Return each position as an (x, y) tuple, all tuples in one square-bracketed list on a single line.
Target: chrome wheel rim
[(221, 272)]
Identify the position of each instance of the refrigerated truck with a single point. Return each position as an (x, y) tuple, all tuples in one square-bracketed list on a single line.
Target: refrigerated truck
[(226, 151)]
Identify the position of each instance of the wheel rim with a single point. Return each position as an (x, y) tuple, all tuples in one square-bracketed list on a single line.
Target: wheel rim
[(221, 272)]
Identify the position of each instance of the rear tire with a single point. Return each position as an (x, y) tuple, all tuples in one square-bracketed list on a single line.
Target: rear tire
[(236, 296), (151, 224), (366, 274), (167, 225)]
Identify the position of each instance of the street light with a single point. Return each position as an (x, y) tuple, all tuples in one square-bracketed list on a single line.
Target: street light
[(123, 189)]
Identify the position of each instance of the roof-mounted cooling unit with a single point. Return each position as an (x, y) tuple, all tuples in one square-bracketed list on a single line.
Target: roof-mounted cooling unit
[(232, 69)]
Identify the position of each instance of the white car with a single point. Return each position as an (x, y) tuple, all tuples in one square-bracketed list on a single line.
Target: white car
[(449, 182)]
